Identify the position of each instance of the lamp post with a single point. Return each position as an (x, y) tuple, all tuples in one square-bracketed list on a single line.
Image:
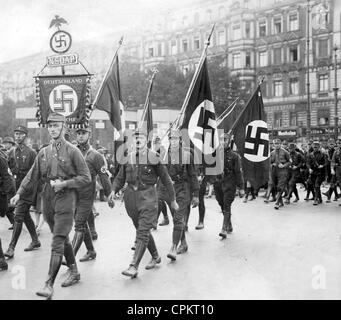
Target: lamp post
[(336, 89)]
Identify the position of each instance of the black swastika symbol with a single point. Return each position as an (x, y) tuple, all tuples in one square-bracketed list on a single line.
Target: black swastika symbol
[(256, 141), (203, 122)]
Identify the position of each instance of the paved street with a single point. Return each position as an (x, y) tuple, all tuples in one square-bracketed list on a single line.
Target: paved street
[(293, 253)]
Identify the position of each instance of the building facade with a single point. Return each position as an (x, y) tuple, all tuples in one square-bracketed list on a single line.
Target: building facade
[(289, 44)]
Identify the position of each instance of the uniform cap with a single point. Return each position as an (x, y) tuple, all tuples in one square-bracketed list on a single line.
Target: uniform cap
[(87, 129), (22, 129), (316, 142), (55, 117), (8, 140)]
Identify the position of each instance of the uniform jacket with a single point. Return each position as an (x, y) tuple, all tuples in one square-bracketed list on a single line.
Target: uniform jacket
[(7, 184), (97, 167), (59, 160), (20, 160), (142, 171), (181, 168), (280, 156), (296, 159), (233, 172), (315, 159), (336, 159)]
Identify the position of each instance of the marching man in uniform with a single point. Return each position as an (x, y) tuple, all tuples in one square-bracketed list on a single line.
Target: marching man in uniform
[(231, 179), (280, 161), (140, 198), (86, 198), (21, 159), (62, 170), (182, 172)]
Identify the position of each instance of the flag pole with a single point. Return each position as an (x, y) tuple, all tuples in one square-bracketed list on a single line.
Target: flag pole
[(227, 110), (242, 112), (146, 103), (195, 77), (230, 109), (107, 72)]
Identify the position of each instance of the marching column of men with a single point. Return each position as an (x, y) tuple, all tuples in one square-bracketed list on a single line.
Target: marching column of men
[(65, 176)]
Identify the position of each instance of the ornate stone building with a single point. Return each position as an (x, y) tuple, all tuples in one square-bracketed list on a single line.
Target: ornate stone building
[(259, 39)]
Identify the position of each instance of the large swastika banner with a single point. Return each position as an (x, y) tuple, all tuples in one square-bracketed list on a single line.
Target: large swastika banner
[(66, 94), (251, 137)]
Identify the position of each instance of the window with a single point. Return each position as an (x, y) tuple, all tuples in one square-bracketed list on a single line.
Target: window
[(277, 55), (262, 28), (277, 119), (221, 38), (293, 86), (247, 30), (248, 60), (323, 82), (159, 49), (263, 58), (185, 21), (323, 117), (237, 63), (293, 21), (184, 45), (277, 25), (173, 47), (293, 119), (293, 54), (196, 43), (150, 52), (278, 88), (323, 48), (236, 34)]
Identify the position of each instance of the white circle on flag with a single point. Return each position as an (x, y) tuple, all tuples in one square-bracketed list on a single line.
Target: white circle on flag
[(63, 99), (256, 146), (208, 141)]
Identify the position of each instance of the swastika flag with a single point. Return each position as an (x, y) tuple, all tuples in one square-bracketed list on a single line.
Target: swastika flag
[(65, 94), (251, 137), (200, 122)]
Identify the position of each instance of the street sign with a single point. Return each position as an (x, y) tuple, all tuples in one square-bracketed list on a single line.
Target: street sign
[(60, 41), (62, 60)]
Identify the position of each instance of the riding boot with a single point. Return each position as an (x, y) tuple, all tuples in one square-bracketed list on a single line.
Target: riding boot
[(253, 196), (91, 253), (132, 271), (183, 246), (154, 253), (3, 263), (91, 224), (33, 233), (77, 241), (55, 263), (73, 276), (226, 223), (247, 192), (177, 234), (9, 254)]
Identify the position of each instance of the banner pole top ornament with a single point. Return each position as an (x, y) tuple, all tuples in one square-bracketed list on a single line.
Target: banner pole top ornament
[(61, 40)]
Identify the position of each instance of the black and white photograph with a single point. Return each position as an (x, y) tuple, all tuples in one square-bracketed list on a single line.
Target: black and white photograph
[(184, 151)]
